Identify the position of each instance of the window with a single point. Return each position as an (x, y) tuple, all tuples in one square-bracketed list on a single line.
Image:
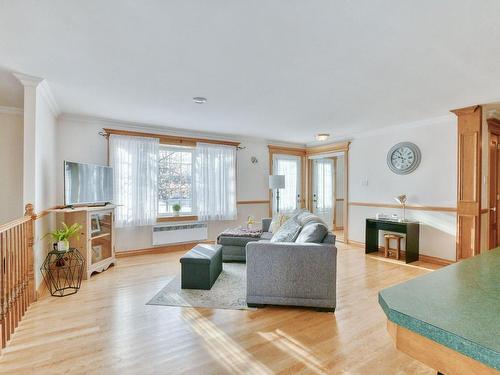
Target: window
[(175, 180), (289, 166)]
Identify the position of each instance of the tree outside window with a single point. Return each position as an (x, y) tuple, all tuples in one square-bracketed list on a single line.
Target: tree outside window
[(175, 179)]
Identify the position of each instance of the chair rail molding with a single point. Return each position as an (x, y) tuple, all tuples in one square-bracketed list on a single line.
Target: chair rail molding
[(11, 110), (410, 207)]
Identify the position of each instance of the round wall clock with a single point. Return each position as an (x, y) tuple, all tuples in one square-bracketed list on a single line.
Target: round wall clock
[(403, 158)]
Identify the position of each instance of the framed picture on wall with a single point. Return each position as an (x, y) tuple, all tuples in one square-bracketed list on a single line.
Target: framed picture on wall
[(95, 225)]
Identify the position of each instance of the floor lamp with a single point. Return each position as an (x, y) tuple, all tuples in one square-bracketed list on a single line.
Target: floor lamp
[(277, 182)]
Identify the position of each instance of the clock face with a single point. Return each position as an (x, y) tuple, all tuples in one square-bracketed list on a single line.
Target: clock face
[(403, 158)]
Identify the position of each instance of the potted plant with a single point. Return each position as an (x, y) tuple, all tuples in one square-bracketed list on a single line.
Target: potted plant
[(176, 208), (62, 235)]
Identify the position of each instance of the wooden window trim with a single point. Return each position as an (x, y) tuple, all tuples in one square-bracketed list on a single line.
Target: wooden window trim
[(281, 150), (170, 139), (167, 219), (327, 149)]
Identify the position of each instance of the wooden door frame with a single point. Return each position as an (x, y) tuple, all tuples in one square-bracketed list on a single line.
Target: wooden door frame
[(304, 153), (280, 150), (340, 148), (493, 128)]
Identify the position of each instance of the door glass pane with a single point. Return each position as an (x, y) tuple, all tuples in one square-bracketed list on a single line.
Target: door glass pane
[(289, 166), (327, 189), (323, 190)]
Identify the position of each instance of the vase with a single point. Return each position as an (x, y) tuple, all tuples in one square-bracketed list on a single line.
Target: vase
[(63, 245)]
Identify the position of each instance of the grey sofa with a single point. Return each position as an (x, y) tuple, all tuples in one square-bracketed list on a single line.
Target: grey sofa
[(290, 273), (234, 248)]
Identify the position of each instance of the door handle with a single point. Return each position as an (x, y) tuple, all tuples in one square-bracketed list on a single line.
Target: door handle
[(494, 209)]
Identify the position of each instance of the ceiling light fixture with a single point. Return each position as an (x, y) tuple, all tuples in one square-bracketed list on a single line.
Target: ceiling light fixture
[(322, 136), (199, 99)]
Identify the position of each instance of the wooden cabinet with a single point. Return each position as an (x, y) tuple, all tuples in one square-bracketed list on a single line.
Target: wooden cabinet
[(96, 242)]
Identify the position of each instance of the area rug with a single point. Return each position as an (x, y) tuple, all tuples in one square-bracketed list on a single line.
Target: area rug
[(228, 292)]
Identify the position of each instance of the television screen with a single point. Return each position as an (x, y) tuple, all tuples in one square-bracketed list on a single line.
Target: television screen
[(87, 184)]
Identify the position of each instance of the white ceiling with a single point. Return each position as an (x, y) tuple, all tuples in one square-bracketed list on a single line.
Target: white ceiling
[(276, 69)]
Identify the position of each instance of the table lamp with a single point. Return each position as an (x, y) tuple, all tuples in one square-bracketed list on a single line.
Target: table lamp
[(401, 199)]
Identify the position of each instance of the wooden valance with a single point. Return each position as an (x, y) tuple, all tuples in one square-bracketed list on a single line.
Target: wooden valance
[(170, 139), (326, 149), (309, 151)]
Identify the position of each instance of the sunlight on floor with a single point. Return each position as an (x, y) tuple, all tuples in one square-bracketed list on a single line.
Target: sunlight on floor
[(293, 347), (225, 350)]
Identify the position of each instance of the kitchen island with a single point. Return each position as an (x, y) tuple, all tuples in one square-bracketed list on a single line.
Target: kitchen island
[(450, 319)]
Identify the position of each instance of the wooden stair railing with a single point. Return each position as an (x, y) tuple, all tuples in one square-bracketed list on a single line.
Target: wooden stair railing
[(17, 283)]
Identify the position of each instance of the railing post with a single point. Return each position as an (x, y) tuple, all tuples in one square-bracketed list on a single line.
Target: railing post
[(30, 235)]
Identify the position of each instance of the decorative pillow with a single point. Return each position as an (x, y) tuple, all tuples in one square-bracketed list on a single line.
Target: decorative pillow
[(312, 232), (288, 232), (305, 217), (277, 222)]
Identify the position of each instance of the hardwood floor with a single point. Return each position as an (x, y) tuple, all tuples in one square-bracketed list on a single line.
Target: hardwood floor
[(106, 328)]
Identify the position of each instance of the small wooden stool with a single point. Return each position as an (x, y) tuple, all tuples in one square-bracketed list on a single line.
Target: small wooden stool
[(388, 237)]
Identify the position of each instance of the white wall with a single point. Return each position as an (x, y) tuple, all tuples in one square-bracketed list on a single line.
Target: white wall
[(80, 141), (11, 166), (39, 155), (45, 176), (432, 184)]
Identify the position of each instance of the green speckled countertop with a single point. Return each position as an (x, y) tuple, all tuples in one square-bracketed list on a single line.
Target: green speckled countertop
[(457, 306)]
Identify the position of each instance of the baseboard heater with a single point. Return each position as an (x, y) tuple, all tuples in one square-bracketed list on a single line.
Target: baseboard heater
[(165, 234)]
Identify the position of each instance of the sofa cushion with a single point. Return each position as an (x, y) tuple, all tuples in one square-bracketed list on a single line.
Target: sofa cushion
[(313, 233), (305, 217), (288, 232), (266, 236), (235, 241), (277, 222)]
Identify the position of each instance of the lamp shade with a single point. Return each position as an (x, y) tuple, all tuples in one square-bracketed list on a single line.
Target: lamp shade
[(277, 181)]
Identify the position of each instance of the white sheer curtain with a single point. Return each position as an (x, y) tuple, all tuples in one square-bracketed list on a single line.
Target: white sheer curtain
[(289, 166), (215, 181), (135, 176)]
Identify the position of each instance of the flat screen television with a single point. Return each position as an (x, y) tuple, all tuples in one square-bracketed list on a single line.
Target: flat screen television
[(87, 184)]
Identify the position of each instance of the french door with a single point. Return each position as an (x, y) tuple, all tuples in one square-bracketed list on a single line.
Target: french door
[(291, 195), (323, 189)]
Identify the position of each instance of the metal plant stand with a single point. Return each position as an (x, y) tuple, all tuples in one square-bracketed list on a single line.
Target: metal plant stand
[(62, 272)]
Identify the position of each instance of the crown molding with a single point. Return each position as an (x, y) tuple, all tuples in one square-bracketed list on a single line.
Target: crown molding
[(47, 94), (167, 130), (27, 80), (439, 120), (44, 87), (11, 110)]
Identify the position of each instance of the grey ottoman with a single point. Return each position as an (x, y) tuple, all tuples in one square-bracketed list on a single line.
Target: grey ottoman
[(201, 266)]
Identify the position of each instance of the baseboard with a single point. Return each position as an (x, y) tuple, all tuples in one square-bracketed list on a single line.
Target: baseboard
[(356, 243), (159, 249), (421, 257), (41, 290)]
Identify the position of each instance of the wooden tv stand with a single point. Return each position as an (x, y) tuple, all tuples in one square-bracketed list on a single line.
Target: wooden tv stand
[(97, 236)]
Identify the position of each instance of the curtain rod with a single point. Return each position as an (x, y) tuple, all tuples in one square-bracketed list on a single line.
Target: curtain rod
[(169, 139)]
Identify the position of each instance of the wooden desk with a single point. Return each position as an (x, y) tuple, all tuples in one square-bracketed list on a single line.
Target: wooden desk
[(410, 228)]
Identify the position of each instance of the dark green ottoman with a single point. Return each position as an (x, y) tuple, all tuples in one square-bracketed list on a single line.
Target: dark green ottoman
[(201, 266)]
